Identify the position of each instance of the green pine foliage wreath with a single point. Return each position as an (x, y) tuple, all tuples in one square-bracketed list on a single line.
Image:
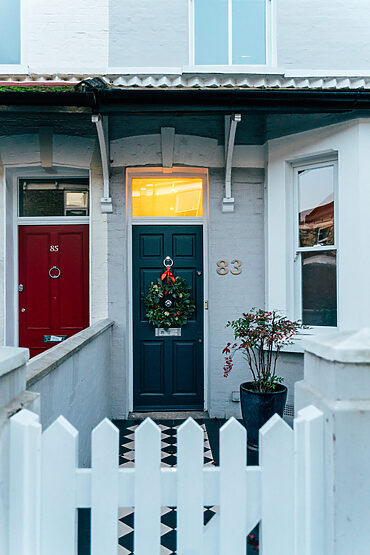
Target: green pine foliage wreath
[(175, 316)]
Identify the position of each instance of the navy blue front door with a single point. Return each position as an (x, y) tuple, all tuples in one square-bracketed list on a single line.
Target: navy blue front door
[(168, 371)]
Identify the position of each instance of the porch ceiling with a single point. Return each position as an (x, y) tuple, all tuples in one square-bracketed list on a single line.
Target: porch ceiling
[(13, 123)]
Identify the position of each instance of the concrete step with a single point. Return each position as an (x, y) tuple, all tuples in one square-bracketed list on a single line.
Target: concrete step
[(169, 415)]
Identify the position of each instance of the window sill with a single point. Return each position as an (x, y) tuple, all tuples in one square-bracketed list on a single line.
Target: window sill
[(298, 346), (11, 69), (232, 69)]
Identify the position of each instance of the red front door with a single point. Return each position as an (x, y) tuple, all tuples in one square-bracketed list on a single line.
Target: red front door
[(53, 284)]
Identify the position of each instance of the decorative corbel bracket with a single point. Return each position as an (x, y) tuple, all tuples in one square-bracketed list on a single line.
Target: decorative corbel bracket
[(106, 200), (230, 129)]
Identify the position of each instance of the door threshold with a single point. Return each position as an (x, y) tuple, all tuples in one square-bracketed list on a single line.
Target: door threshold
[(169, 415)]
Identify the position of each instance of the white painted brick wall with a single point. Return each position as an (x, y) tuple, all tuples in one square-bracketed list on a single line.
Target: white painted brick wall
[(117, 290), (70, 36), (148, 33), (81, 36), (313, 34), (237, 235)]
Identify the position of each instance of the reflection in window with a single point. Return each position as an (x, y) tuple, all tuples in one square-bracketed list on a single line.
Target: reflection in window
[(167, 197), (61, 197), (319, 288), (229, 32), (316, 206), (211, 42), (316, 249)]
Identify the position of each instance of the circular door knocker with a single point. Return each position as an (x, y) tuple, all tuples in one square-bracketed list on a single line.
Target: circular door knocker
[(54, 275), (168, 261)]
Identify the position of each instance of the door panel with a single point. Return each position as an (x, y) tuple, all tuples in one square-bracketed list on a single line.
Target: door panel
[(50, 306), (152, 367), (184, 377), (168, 371)]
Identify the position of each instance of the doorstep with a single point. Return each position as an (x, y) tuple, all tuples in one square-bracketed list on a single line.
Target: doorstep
[(169, 415)]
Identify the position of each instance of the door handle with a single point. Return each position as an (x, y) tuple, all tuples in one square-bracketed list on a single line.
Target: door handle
[(23, 310)]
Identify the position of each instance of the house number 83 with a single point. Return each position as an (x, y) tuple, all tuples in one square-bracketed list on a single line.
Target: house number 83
[(223, 267)]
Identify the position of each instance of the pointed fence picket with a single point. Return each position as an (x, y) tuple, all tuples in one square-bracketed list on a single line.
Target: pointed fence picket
[(190, 446), (277, 495), (24, 486), (147, 489), (284, 493), (59, 460), (233, 492), (104, 488)]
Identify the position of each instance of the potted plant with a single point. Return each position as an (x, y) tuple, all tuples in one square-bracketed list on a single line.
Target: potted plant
[(260, 335)]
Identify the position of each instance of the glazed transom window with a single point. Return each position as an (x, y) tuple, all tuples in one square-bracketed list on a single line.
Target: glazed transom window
[(54, 197), (167, 197)]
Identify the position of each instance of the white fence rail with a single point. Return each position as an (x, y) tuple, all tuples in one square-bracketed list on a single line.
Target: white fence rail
[(284, 493)]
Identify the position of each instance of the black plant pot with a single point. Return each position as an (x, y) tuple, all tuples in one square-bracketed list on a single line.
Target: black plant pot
[(257, 407)]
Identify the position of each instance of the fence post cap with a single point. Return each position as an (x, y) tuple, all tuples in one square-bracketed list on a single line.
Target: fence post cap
[(352, 346)]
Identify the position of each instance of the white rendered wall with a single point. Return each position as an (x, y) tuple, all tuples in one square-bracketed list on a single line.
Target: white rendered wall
[(337, 381), (79, 387), (351, 141)]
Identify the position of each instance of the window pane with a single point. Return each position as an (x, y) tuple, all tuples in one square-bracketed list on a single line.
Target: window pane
[(210, 33), (167, 197), (319, 288), (63, 197), (249, 31), (10, 41), (316, 206)]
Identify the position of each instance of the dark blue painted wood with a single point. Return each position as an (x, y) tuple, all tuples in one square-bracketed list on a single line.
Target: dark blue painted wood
[(168, 371)]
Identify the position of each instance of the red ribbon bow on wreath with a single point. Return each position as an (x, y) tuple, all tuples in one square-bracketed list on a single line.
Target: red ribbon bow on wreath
[(168, 274)]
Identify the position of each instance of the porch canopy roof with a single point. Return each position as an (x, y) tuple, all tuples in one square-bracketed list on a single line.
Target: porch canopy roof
[(272, 105)]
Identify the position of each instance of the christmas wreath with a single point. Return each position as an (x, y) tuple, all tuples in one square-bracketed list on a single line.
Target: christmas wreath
[(168, 302)]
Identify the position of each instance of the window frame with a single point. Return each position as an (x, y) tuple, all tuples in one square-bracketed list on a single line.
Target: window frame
[(298, 250), (271, 50)]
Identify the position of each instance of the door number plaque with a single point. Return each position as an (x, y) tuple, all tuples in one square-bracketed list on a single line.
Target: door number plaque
[(223, 267), (171, 332)]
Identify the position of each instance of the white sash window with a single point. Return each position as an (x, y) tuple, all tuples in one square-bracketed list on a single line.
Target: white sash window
[(316, 250), (231, 32)]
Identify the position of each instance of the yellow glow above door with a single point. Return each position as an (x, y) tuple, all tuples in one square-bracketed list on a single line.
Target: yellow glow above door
[(167, 197)]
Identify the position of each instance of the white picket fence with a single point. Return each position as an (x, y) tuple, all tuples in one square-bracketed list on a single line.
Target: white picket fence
[(284, 493)]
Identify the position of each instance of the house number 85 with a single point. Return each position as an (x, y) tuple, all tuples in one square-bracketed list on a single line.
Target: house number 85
[(223, 267)]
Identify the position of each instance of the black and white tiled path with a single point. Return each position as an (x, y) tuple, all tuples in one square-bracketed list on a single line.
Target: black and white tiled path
[(168, 458)]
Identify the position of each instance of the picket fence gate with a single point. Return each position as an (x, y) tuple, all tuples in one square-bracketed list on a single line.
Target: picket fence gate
[(284, 493)]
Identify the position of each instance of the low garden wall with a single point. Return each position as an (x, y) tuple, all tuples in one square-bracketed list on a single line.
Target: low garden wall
[(74, 380)]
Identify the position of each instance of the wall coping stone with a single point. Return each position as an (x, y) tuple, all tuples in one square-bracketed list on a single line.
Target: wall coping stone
[(342, 346), (44, 363), (12, 358)]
